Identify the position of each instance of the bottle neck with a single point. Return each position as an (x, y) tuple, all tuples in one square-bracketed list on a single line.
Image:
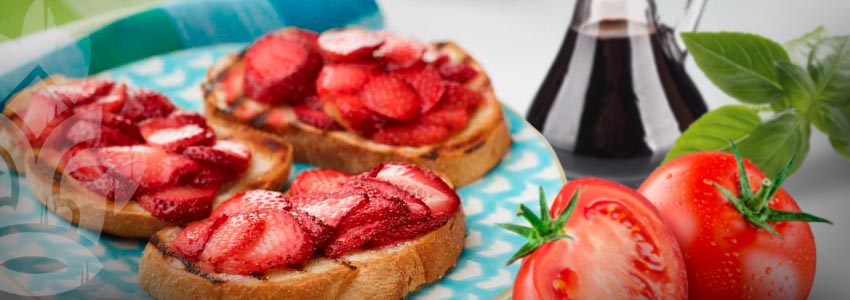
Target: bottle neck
[(596, 11)]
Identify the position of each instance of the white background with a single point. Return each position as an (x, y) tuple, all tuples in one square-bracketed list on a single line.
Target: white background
[(516, 41)]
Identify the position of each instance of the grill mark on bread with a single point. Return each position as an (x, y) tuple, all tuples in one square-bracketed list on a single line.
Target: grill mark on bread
[(474, 147), (432, 155), (188, 265)]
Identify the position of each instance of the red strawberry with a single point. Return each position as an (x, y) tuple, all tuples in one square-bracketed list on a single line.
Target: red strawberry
[(143, 104), (226, 155), (457, 72), (177, 131), (232, 83), (320, 232), (431, 189), (254, 200), (427, 83), (404, 232), (346, 78), (318, 180), (307, 37), (349, 112), (277, 67), (83, 163), (150, 167), (453, 118), (247, 109), (329, 208), (375, 188), (399, 52), (349, 44), (413, 134), (191, 240), (112, 101), (179, 203), (283, 242), (361, 225), (44, 113), (111, 186), (210, 176), (315, 117), (391, 97), (79, 92), (234, 236), (459, 96), (99, 135)]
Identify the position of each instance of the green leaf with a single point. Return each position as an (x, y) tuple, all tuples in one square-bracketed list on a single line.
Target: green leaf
[(740, 64), (800, 47), (773, 142), (831, 118), (715, 129), (829, 66), (799, 89), (842, 146), (526, 232)]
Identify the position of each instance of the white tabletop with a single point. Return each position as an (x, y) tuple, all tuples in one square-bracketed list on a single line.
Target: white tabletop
[(516, 41)]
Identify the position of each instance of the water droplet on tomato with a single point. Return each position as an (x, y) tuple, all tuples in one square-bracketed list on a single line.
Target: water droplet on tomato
[(767, 271)]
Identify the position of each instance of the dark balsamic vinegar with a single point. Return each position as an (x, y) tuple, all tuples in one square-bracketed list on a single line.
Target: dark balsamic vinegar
[(615, 100)]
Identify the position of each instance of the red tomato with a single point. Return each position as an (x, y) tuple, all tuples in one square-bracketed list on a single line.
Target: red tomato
[(620, 249), (726, 256)]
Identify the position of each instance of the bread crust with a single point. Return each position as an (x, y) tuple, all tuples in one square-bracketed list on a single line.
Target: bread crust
[(270, 167), (464, 158), (389, 272)]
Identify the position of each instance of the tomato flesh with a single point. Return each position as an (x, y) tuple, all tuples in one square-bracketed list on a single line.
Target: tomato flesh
[(726, 257), (620, 249)]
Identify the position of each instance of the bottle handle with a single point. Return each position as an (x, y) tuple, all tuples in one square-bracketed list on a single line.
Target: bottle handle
[(688, 22)]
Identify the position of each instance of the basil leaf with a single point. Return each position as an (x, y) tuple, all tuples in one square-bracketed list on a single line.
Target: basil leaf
[(740, 64), (715, 129), (775, 141), (797, 84), (831, 118), (842, 146), (800, 47), (829, 66)]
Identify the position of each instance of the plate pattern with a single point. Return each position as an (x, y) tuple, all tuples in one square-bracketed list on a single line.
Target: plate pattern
[(105, 267)]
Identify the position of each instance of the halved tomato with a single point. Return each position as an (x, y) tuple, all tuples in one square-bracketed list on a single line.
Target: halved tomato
[(619, 248)]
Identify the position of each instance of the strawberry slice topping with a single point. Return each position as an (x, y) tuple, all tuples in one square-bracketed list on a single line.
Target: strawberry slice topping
[(349, 44), (176, 132), (283, 242), (112, 101), (227, 155), (349, 112), (458, 96), (345, 78), (431, 189), (329, 208), (210, 176), (277, 67), (318, 180), (190, 242), (391, 97), (44, 113), (399, 52), (254, 200), (150, 167), (320, 232), (455, 118), (457, 72), (311, 112), (376, 188), (427, 83), (238, 233), (98, 135), (361, 225), (415, 134), (144, 104), (179, 203)]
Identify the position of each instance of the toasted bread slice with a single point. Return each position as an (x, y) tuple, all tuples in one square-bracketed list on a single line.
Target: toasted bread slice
[(271, 163), (388, 272), (465, 157)]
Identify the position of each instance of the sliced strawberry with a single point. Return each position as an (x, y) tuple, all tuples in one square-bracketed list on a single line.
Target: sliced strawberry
[(97, 135), (176, 119), (150, 167), (413, 134), (247, 109), (392, 97), (83, 163), (348, 111), (176, 139), (190, 242), (254, 200), (283, 242), (79, 92), (227, 155), (453, 118), (44, 113), (318, 180), (143, 104), (349, 44), (399, 52), (361, 225), (345, 78), (427, 83), (404, 232), (329, 208), (179, 203), (210, 176), (232, 83), (320, 232), (111, 186), (457, 72), (277, 67), (377, 188), (459, 96), (112, 101), (307, 37), (238, 233), (431, 189), (435, 57), (315, 117)]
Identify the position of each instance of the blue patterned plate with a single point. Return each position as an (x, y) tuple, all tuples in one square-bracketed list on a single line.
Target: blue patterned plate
[(85, 265)]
